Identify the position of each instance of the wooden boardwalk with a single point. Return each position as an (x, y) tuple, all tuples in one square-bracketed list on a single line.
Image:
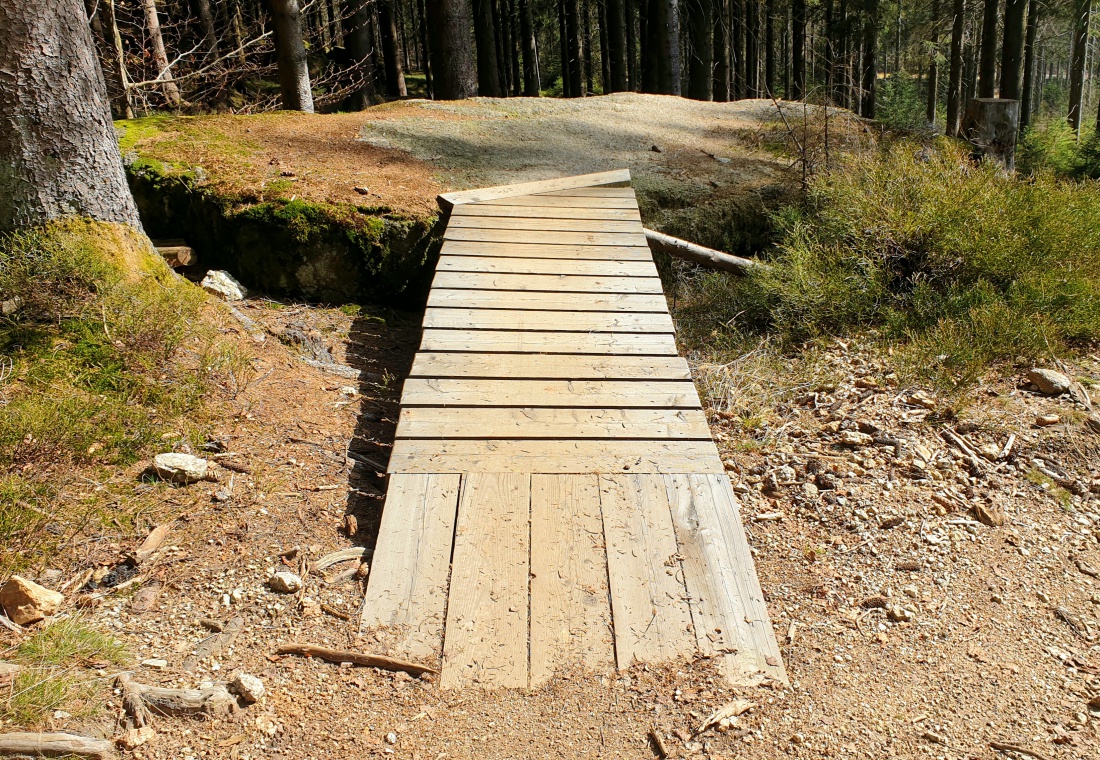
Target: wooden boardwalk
[(555, 496)]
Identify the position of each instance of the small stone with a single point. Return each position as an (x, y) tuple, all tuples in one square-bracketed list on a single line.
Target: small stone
[(910, 591), (991, 516), (891, 522), (26, 602), (1049, 382), (810, 491), (310, 607), (362, 189), (135, 737), (223, 284), (854, 438), (922, 399), (997, 599), (155, 663), (785, 474), (222, 496), (285, 582), (180, 468), (990, 451), (655, 148), (899, 614), (391, 738), (249, 688), (1092, 423), (1046, 420), (826, 481)]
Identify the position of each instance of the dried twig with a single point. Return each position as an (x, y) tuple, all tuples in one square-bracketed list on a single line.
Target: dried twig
[(366, 660), (1009, 747)]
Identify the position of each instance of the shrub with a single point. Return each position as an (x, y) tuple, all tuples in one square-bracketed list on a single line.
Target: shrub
[(900, 104)]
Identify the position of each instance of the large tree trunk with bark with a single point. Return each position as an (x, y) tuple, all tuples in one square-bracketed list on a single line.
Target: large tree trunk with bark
[(932, 93), (294, 84), (454, 75), (206, 18), (574, 48), (425, 55), (701, 36), (663, 45), (987, 63), (1027, 93), (769, 48), (1012, 49), (721, 84), (870, 66), (798, 50), (488, 77), (360, 46), (615, 53), (160, 56), (955, 75), (530, 62), (58, 148), (391, 55), (752, 49), (1081, 16)]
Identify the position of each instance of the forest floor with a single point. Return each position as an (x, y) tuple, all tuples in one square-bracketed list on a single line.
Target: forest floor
[(910, 628)]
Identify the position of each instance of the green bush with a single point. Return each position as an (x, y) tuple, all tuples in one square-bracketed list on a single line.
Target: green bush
[(900, 104), (964, 264)]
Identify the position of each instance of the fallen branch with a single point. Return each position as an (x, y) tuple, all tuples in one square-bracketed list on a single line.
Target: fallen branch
[(141, 699), (151, 543), (366, 660), (55, 745), (708, 257), (343, 555), (1007, 747)]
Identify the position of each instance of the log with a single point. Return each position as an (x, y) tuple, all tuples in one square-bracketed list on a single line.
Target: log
[(55, 745), (990, 126), (708, 257), (176, 252), (141, 699), (366, 660)]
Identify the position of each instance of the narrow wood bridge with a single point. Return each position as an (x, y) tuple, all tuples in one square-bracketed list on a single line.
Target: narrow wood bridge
[(555, 496)]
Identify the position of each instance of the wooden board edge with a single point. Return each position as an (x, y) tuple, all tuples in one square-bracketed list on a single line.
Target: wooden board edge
[(613, 178)]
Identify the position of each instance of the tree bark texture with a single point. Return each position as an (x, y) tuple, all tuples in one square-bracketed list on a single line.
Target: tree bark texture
[(454, 74), (425, 55), (360, 46), (615, 53), (700, 18), (586, 44), (206, 19), (290, 50), (987, 63), (798, 50), (721, 84), (955, 75), (58, 148), (1027, 93), (870, 67), (932, 92), (1012, 48), (752, 49), (513, 47), (391, 56), (769, 48), (160, 57), (530, 64), (1081, 14), (488, 77), (632, 77), (574, 48), (123, 103)]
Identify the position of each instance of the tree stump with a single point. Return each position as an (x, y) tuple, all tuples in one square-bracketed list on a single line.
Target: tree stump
[(990, 126)]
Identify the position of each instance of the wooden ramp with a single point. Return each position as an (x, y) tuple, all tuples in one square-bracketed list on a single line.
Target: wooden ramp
[(555, 496)]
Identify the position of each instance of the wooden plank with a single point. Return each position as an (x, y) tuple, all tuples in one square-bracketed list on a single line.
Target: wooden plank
[(648, 605), (511, 299), (408, 580), (545, 237), (552, 424), (554, 283), (727, 605), (546, 212), (486, 637), (634, 252), (550, 201), (512, 265), (615, 177), (570, 615), (548, 366), (554, 321), (461, 391), (586, 191), (536, 342), (556, 225), (554, 456)]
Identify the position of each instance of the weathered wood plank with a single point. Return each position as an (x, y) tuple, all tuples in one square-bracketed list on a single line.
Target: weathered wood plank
[(551, 424), (551, 201), (551, 283), (460, 391), (608, 456), (555, 225), (728, 608), (633, 252), (557, 321), (550, 366), (408, 580), (486, 637), (651, 614), (570, 616), (537, 342), (544, 237), (510, 265), (590, 191), (511, 299), (614, 177), (546, 212)]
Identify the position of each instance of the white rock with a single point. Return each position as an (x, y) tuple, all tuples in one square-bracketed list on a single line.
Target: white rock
[(250, 688), (156, 663), (26, 602), (855, 438), (285, 582), (223, 284), (180, 468), (1048, 381)]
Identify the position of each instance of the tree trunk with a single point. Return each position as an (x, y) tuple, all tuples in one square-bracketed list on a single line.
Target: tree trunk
[(400, 13), (752, 49), (1012, 48), (488, 77), (933, 90), (1027, 93), (586, 42), (563, 49), (513, 49), (391, 55), (700, 23), (58, 148), (798, 50), (664, 30), (451, 49), (991, 126), (123, 103), (360, 47), (530, 64), (738, 87), (618, 70), (870, 69), (238, 34), (955, 75), (160, 57), (721, 83), (987, 65), (769, 47), (500, 32), (206, 19), (325, 24), (632, 78), (294, 84), (574, 48), (425, 54), (1081, 13)]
